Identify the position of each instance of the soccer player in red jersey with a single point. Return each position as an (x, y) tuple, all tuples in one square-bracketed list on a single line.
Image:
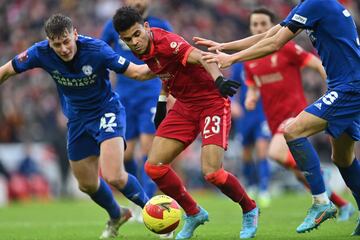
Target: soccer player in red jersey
[(202, 107), (278, 78)]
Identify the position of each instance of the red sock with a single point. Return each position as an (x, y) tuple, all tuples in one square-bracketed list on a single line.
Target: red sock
[(337, 200), (171, 185), (231, 187)]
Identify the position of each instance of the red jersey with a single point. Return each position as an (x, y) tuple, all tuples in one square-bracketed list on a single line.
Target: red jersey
[(188, 83), (278, 77)]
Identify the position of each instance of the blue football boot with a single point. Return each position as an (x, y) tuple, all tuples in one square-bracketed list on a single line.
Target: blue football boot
[(191, 223), (250, 223), (317, 214)]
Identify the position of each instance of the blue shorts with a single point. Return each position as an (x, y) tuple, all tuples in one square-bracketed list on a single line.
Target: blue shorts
[(252, 128), (341, 110), (85, 135), (140, 113)]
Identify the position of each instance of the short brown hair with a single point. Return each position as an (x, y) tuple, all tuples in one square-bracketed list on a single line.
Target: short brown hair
[(57, 25)]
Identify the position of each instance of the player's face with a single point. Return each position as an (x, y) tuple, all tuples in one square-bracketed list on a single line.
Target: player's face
[(137, 38), (65, 46), (140, 5), (260, 23)]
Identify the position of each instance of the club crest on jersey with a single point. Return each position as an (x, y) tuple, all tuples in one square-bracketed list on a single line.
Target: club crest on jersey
[(173, 44), (87, 70), (23, 56), (299, 18)]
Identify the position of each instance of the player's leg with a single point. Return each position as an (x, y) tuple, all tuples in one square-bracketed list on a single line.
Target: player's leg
[(215, 124), (113, 171), (130, 164), (262, 136), (344, 158), (296, 133), (148, 184), (249, 169), (83, 153)]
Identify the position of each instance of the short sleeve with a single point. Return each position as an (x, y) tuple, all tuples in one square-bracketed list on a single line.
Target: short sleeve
[(307, 14), (296, 54), (176, 47), (26, 60), (288, 18), (114, 61), (249, 77)]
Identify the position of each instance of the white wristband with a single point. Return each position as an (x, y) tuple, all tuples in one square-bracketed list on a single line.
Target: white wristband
[(162, 98)]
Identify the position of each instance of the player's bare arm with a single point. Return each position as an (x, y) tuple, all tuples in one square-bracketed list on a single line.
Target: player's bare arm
[(264, 47), (316, 64), (195, 57), (139, 72), (6, 71), (237, 45), (252, 96)]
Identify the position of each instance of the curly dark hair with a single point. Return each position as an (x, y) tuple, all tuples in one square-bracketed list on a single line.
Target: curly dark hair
[(125, 18)]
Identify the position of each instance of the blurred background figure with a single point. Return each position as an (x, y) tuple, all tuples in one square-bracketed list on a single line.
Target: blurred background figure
[(254, 133)]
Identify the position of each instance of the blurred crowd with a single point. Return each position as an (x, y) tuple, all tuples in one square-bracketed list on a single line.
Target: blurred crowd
[(29, 107)]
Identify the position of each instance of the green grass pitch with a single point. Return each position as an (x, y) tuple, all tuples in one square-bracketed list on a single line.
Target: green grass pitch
[(84, 220)]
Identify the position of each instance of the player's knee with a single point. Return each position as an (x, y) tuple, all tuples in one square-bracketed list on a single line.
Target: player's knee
[(156, 171), (116, 180), (292, 131), (218, 177), (88, 187)]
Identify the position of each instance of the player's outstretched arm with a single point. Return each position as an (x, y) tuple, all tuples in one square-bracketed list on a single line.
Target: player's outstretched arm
[(226, 87), (263, 48), (316, 64), (139, 72), (6, 71), (237, 45)]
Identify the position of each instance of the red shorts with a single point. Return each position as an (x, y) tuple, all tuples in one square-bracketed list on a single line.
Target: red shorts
[(184, 123)]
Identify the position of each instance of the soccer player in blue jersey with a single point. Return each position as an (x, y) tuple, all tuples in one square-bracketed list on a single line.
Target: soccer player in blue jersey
[(255, 135), (96, 118), (138, 98), (332, 31)]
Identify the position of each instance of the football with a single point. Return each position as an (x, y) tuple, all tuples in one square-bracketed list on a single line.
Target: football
[(161, 214)]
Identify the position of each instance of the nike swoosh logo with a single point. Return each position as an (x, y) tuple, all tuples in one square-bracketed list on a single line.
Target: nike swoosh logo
[(207, 136), (320, 218)]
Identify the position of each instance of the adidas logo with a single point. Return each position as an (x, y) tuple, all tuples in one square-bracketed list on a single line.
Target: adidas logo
[(318, 105)]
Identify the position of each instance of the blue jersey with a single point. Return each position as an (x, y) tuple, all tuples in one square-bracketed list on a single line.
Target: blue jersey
[(83, 84), (238, 75), (332, 31), (126, 87)]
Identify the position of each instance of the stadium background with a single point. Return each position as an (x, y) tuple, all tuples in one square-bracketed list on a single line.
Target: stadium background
[(30, 117)]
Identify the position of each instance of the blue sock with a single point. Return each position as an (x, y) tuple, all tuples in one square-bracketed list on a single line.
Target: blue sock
[(131, 167), (263, 170), (105, 199), (249, 171), (148, 184), (309, 163), (134, 192), (351, 176)]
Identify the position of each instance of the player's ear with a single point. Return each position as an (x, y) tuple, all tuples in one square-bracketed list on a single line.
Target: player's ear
[(76, 35), (147, 26)]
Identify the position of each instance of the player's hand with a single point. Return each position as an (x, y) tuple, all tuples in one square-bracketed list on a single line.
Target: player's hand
[(160, 113), (223, 60), (211, 45), (250, 104), (226, 87)]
